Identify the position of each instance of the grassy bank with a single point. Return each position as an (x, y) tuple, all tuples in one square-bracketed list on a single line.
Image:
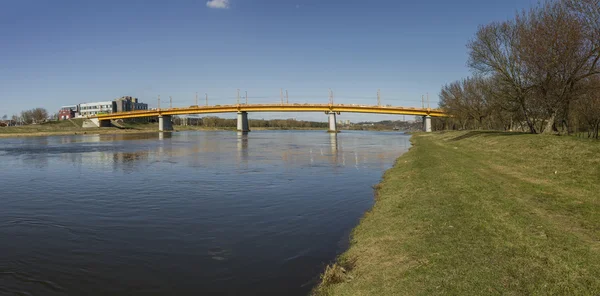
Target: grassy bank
[(68, 127), (479, 213), (45, 129)]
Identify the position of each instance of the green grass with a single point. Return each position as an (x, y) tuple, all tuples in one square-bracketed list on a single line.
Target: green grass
[(64, 127), (480, 213), (52, 126)]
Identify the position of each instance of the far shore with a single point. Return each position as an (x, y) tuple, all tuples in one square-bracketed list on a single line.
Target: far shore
[(99, 131), (66, 128), (113, 130)]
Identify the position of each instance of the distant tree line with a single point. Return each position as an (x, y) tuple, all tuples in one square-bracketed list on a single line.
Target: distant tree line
[(538, 72), (36, 115), (388, 125)]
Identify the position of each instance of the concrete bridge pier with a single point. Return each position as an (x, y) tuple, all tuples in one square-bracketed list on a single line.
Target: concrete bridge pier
[(427, 124), (242, 122), (332, 123), (95, 122), (164, 123)]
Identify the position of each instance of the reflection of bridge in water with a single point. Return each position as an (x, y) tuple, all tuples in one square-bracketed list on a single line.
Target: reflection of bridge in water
[(332, 151), (127, 152), (165, 124)]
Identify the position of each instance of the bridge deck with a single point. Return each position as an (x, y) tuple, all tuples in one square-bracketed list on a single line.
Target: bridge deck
[(342, 108)]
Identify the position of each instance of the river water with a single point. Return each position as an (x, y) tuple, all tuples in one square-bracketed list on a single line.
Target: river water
[(187, 213)]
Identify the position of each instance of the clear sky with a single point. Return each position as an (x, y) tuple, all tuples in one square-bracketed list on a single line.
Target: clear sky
[(61, 52)]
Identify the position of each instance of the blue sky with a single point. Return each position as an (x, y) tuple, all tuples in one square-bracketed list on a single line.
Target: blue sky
[(61, 52)]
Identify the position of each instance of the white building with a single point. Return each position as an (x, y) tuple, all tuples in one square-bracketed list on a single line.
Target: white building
[(90, 109)]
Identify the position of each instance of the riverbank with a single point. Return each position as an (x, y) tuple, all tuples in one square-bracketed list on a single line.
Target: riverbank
[(73, 127), (477, 213)]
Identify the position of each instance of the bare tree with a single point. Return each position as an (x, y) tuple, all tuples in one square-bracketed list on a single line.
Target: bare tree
[(588, 11), (587, 108), (535, 69), (36, 115), (27, 117), (468, 102), (452, 100), (476, 95), (39, 114), (476, 103), (495, 52), (557, 56)]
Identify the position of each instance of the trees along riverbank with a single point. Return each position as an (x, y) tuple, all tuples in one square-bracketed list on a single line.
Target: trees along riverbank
[(538, 72), (478, 213)]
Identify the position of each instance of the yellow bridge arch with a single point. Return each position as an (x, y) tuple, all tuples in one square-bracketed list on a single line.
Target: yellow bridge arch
[(336, 108)]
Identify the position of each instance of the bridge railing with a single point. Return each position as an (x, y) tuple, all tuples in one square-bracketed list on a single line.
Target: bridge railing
[(238, 106)]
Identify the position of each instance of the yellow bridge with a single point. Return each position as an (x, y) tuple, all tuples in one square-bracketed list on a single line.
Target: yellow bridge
[(164, 115)]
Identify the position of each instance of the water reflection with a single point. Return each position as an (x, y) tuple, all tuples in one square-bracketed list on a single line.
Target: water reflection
[(184, 213), (165, 135), (97, 138), (129, 161), (36, 161), (242, 148), (333, 143), (209, 149)]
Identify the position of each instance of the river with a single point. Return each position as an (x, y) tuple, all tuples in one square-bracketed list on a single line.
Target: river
[(186, 213)]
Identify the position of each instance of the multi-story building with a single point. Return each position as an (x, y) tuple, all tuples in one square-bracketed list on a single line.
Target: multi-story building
[(91, 109), (125, 104), (122, 104), (67, 112)]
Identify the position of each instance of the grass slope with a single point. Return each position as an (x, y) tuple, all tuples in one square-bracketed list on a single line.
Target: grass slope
[(479, 213), (68, 127), (53, 126)]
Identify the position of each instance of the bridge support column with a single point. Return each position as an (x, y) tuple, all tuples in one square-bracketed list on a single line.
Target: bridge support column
[(332, 123), (427, 124), (164, 123), (242, 122)]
